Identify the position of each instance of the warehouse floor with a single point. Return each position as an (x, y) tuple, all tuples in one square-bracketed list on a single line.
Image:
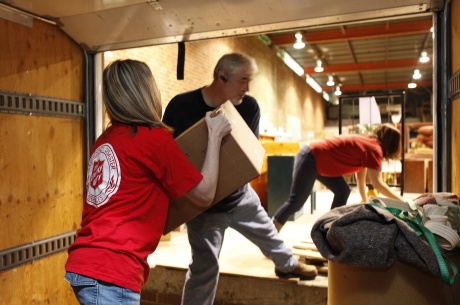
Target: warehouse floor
[(240, 256)]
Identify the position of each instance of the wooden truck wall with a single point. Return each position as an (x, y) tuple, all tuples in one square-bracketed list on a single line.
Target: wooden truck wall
[(41, 160)]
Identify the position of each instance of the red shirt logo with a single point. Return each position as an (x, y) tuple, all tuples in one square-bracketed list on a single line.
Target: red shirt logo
[(104, 175)]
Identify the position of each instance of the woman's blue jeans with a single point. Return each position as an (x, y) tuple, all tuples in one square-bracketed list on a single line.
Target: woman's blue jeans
[(93, 292)]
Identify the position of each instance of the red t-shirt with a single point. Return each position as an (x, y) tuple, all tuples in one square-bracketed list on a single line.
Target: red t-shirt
[(129, 181), (346, 154)]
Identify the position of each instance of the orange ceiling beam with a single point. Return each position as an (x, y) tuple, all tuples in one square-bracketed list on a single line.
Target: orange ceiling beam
[(376, 31), (376, 87), (366, 66)]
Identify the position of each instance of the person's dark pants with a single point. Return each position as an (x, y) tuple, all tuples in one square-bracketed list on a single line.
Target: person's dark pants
[(303, 180)]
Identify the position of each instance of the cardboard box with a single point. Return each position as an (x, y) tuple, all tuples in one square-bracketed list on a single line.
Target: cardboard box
[(400, 284), (241, 159)]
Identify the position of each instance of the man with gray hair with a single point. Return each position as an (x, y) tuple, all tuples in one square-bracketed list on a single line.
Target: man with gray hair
[(242, 209)]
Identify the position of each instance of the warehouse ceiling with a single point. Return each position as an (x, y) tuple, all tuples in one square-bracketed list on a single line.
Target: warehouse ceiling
[(363, 45), (365, 56)]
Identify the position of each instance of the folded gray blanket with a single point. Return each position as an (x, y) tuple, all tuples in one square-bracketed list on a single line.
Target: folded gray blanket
[(366, 236)]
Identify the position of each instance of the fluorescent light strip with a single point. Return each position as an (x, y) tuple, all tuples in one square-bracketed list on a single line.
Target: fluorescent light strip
[(314, 84), (291, 63)]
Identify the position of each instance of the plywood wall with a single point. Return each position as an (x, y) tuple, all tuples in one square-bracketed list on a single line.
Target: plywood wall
[(41, 159), (40, 283), (41, 189)]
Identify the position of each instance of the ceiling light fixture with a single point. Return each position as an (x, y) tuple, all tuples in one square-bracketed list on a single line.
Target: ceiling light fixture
[(412, 85), (417, 74), (299, 44), (337, 91), (330, 81), (424, 58), (318, 67)]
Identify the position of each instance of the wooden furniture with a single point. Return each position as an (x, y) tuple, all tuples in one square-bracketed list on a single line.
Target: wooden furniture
[(429, 176), (415, 176), (418, 173)]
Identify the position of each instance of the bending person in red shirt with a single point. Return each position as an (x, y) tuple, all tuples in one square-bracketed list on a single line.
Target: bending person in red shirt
[(135, 166), (328, 160)]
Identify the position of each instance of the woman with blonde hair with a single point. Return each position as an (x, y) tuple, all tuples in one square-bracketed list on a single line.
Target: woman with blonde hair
[(135, 167), (328, 160)]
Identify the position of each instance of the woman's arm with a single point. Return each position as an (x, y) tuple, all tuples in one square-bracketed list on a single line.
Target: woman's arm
[(376, 179), (361, 182), (203, 193)]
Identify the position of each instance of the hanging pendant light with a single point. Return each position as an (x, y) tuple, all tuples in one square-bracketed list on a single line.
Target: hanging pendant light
[(299, 44), (319, 67), (337, 91), (417, 74), (424, 58)]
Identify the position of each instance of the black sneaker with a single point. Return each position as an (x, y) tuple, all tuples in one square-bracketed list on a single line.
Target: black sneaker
[(302, 271)]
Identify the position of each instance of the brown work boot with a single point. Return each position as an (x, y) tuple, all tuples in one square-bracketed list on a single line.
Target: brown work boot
[(302, 271)]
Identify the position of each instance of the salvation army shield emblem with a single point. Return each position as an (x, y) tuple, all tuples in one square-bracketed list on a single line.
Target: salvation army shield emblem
[(103, 175), (97, 174)]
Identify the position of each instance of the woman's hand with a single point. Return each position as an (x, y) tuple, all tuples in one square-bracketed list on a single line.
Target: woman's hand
[(377, 182), (218, 124)]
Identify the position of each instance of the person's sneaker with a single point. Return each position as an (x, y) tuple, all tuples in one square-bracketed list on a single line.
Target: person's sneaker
[(302, 271)]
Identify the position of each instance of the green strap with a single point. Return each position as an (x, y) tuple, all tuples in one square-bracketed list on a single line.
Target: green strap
[(415, 222)]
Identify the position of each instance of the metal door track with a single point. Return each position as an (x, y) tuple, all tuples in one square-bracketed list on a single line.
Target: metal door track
[(27, 253), (21, 103)]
